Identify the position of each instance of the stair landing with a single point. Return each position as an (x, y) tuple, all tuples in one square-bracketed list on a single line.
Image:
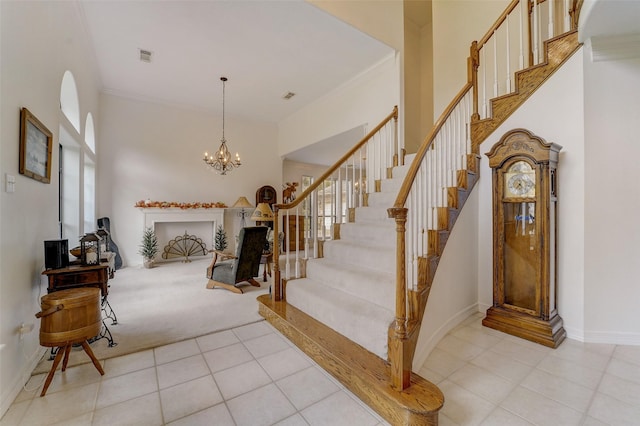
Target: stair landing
[(360, 371)]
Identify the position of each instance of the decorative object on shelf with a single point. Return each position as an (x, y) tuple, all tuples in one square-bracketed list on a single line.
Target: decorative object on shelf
[(220, 242), (36, 143), (289, 192), (178, 205), (149, 247), (103, 234), (56, 254), (221, 160), (90, 249), (243, 204), (525, 226), (105, 223), (184, 246)]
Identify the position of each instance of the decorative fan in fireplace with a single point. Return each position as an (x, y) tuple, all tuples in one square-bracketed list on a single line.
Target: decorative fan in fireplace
[(184, 246)]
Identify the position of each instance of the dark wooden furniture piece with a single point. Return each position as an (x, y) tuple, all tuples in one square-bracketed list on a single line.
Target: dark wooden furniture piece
[(290, 231), (69, 317), (266, 194), (75, 276), (266, 260), (525, 196)]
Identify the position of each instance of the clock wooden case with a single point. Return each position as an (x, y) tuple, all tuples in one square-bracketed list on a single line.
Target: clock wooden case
[(525, 199)]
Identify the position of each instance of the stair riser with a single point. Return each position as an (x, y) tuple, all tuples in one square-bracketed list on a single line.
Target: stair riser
[(375, 288), (370, 234), (382, 199), (369, 214), (376, 258)]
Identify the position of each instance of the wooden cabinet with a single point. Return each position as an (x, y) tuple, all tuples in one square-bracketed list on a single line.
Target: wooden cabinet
[(293, 230), (79, 276), (524, 238)]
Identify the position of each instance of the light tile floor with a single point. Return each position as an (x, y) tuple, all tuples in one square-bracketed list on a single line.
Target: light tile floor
[(492, 378), (251, 375)]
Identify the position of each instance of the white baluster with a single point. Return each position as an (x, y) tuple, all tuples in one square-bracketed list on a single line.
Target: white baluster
[(551, 24), (508, 88)]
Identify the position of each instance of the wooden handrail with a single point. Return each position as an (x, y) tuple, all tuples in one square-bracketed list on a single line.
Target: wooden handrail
[(498, 22), (415, 165), (345, 157)]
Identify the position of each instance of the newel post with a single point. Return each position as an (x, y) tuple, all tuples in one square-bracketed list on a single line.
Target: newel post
[(399, 352), (276, 291)]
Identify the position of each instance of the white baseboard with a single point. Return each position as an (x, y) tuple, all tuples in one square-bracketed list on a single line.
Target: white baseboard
[(608, 337), (9, 393), (424, 349)]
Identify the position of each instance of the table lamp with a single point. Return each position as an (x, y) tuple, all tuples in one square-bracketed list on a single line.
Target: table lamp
[(262, 213), (242, 203)]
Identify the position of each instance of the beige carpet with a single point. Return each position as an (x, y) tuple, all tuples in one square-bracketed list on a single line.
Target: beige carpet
[(167, 304)]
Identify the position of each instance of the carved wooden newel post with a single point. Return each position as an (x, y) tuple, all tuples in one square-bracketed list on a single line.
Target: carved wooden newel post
[(400, 354)]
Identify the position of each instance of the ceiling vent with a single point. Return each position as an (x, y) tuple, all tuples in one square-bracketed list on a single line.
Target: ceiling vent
[(288, 96), (145, 55)]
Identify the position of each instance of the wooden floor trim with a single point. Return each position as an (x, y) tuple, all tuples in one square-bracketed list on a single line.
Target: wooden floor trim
[(360, 371)]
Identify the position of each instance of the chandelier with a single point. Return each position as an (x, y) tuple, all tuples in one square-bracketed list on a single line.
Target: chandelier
[(221, 161)]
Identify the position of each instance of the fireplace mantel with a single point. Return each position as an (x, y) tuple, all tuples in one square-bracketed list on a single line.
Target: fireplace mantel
[(161, 215)]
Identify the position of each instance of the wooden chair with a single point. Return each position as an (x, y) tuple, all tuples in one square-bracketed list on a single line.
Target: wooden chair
[(227, 270)]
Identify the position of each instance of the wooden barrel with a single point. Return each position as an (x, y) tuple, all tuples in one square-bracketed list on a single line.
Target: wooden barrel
[(69, 316)]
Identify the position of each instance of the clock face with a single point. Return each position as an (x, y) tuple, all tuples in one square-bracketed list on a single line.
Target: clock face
[(520, 184), (520, 181)]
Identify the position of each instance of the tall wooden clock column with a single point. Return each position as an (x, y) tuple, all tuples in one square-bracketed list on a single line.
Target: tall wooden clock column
[(525, 201)]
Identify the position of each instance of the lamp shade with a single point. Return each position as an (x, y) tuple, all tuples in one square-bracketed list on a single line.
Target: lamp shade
[(262, 213), (241, 203)]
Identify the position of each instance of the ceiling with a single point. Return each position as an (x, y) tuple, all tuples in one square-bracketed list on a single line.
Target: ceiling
[(265, 48)]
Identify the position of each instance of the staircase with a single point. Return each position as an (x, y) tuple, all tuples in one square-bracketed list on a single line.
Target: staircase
[(354, 301), (355, 280)]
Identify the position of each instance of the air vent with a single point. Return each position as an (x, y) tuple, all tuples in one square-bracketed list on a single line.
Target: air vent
[(145, 55), (288, 96)]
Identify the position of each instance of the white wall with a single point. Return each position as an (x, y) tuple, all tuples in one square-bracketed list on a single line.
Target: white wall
[(155, 151), (612, 228), (455, 25), (366, 100), (32, 66)]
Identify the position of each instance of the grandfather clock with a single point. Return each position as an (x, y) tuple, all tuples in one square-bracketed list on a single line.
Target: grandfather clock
[(525, 198)]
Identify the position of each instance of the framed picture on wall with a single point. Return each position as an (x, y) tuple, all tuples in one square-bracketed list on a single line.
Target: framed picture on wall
[(35, 148)]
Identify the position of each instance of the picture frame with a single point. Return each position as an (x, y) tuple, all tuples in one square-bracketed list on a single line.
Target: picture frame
[(36, 143)]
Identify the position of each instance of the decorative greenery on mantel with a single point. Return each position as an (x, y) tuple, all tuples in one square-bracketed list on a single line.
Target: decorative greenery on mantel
[(177, 205)]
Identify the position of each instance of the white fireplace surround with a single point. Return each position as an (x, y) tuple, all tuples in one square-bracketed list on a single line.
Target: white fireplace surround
[(154, 216)]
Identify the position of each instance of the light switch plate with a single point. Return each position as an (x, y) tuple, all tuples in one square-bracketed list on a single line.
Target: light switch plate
[(10, 181)]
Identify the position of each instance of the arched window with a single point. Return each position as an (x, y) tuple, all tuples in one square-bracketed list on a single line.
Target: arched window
[(69, 100), (89, 133)]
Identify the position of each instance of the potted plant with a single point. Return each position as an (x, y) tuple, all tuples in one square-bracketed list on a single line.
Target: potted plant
[(149, 247), (220, 242)]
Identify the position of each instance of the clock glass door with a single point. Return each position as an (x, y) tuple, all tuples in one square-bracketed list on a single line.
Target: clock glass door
[(521, 256)]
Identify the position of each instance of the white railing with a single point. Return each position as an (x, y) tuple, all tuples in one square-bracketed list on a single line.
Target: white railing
[(316, 214), (443, 158), (515, 42)]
